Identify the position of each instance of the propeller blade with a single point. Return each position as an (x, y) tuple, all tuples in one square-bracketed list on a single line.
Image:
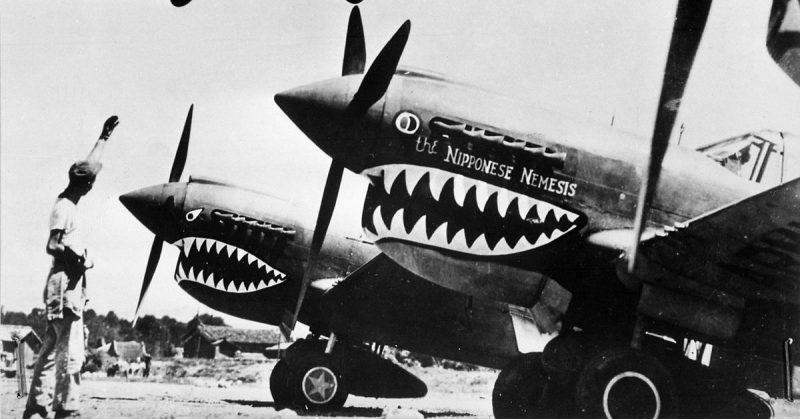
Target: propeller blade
[(380, 73), (690, 21), (328, 203), (372, 88), (183, 149), (152, 263), (355, 54)]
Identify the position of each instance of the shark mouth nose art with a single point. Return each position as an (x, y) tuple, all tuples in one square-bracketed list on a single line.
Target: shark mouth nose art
[(223, 267), (437, 208)]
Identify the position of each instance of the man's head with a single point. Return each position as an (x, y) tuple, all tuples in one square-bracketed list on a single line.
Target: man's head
[(82, 175)]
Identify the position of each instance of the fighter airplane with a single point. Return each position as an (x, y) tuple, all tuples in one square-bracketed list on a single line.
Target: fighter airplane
[(649, 254), (244, 253)]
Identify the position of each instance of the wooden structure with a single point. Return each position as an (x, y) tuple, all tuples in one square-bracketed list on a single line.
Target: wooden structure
[(204, 341), (26, 335), (128, 351)]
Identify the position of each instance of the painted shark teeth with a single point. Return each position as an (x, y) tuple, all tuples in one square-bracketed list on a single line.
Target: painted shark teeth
[(504, 198), (524, 205), (389, 178), (528, 209), (436, 183), (413, 175), (462, 185), (396, 229), (267, 276)]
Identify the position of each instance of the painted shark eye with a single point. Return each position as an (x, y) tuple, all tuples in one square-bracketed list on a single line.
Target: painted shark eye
[(192, 215)]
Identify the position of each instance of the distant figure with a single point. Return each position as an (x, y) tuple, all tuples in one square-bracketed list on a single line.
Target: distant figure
[(147, 360), (112, 370), (56, 375)]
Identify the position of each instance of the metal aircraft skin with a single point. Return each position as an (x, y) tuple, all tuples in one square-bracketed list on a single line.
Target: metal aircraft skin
[(237, 243), (484, 194), (496, 221), (492, 197), (248, 255), (243, 253)]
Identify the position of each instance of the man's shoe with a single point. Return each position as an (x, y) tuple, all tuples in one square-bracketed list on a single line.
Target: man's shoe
[(34, 411), (64, 414)]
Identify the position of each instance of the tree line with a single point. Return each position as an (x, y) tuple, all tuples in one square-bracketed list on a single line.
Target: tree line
[(160, 335)]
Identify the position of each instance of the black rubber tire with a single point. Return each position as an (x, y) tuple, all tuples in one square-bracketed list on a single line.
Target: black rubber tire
[(523, 389), (279, 384), (317, 367), (625, 383)]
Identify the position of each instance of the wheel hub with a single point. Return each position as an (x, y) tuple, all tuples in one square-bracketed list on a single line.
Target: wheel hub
[(631, 394), (319, 385)]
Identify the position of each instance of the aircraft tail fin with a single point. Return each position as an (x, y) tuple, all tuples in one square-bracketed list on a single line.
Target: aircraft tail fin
[(783, 36), (761, 157)]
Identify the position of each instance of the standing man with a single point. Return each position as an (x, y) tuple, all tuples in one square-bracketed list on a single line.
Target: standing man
[(56, 376)]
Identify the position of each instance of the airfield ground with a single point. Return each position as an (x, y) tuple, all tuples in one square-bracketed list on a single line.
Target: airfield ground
[(231, 388), (228, 390)]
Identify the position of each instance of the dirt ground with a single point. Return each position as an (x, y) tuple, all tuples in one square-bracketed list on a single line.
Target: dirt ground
[(451, 394), (238, 389)]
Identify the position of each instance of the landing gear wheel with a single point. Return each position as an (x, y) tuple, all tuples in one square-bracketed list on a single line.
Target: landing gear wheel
[(279, 384), (523, 389), (624, 383), (316, 384)]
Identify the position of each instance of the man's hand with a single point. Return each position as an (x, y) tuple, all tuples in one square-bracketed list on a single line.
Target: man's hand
[(88, 263), (108, 127)]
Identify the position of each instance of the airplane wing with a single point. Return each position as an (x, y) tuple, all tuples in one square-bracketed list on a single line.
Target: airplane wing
[(421, 316), (708, 273)]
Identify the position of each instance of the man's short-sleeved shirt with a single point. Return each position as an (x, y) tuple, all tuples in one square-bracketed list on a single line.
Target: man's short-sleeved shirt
[(60, 293), (65, 217)]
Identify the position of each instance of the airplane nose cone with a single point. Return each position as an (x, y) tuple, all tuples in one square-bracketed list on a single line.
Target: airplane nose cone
[(157, 207), (317, 109), (297, 102), (320, 111)]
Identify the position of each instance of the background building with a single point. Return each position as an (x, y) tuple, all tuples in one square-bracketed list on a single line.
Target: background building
[(204, 341)]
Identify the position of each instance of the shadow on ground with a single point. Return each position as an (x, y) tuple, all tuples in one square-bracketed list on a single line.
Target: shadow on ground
[(369, 412), (345, 411)]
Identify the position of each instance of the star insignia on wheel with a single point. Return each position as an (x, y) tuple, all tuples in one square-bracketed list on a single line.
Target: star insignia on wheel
[(320, 385)]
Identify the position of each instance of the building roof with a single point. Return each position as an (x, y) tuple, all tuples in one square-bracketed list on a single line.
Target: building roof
[(241, 335), (128, 351), (215, 333), (8, 331), (232, 335)]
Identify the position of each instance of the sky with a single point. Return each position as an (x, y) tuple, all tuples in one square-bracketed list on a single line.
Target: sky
[(65, 66)]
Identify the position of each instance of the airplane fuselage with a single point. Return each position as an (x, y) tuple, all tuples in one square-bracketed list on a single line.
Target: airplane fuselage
[(482, 193), (242, 252)]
